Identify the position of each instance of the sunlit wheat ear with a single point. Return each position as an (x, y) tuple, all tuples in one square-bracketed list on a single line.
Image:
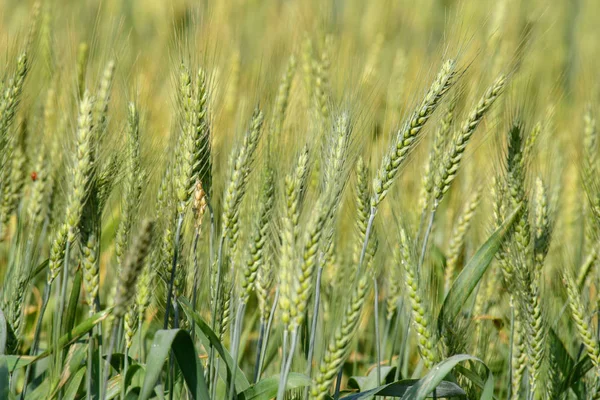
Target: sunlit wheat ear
[(457, 239), (264, 281), (543, 225), (82, 166), (83, 53), (531, 141), (81, 174), (13, 180), (517, 196), (334, 167), (199, 205), (584, 330), (320, 70), (361, 199), (421, 313), (304, 276), (143, 295), (239, 174), (39, 189), (134, 264), (100, 112), (133, 183), (452, 159), (338, 347), (11, 97), (295, 188), (282, 99), (91, 276), (537, 336), (519, 358), (436, 154), (258, 242), (406, 137), (225, 312), (590, 148), (193, 148)]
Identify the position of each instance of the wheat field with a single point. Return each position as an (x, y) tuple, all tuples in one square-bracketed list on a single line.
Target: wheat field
[(299, 199)]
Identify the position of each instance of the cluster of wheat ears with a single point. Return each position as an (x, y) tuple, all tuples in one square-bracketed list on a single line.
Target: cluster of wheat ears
[(298, 200)]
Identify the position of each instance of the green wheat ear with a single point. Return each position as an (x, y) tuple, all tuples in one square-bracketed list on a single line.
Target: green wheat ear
[(133, 266), (406, 137)]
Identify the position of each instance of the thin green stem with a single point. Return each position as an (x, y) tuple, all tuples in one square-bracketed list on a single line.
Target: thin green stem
[(376, 319), (267, 333), (313, 328), (287, 363), (237, 327), (36, 337), (111, 346), (173, 271), (426, 237)]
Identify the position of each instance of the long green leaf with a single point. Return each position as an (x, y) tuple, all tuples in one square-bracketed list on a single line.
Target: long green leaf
[(180, 342), (208, 337), (444, 389), (364, 383), (472, 273), (266, 389), (78, 332), (41, 267), (74, 364), (426, 385), (15, 362), (69, 321), (74, 384), (472, 376)]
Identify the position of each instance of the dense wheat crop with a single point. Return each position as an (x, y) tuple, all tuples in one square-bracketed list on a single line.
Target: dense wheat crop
[(288, 199)]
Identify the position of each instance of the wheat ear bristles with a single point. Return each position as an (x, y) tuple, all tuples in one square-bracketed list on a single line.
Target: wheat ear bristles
[(406, 137), (255, 257), (449, 168), (420, 314), (133, 184), (586, 334), (339, 345), (458, 237), (282, 99)]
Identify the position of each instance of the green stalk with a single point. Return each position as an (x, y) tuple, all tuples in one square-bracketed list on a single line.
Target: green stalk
[(377, 342), (237, 328), (173, 268), (124, 374), (111, 346), (313, 328), (36, 337), (267, 333), (211, 358), (287, 363)]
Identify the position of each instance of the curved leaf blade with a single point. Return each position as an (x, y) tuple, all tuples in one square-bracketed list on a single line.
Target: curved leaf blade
[(399, 388), (266, 389), (208, 337), (426, 385), (76, 333), (472, 273), (180, 342)]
